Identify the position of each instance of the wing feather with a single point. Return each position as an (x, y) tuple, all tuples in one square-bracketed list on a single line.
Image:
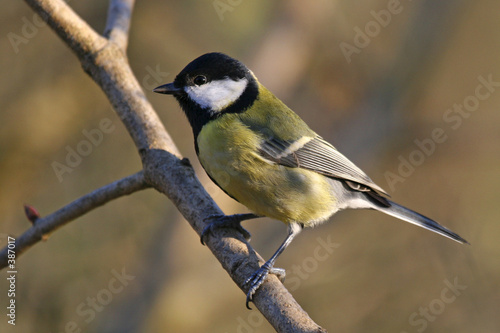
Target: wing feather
[(316, 154)]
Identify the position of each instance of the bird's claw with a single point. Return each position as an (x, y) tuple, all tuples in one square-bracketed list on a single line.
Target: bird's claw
[(279, 272), (207, 230), (223, 221), (257, 278)]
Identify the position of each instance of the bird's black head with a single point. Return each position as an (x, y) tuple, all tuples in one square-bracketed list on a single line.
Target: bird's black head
[(211, 85)]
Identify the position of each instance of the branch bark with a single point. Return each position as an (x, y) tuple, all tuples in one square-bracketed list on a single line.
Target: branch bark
[(118, 24), (42, 227), (104, 59)]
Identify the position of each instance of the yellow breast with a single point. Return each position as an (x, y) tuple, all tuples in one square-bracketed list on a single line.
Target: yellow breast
[(227, 151)]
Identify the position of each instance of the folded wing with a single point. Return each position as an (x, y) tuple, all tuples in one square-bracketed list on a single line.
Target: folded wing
[(314, 153)]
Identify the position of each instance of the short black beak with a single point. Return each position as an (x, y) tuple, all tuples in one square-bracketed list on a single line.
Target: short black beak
[(168, 89)]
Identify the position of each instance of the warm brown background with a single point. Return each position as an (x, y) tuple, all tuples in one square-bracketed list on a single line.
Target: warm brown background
[(396, 90)]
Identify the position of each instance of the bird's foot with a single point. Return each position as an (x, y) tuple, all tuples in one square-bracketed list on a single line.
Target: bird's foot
[(257, 278), (226, 221)]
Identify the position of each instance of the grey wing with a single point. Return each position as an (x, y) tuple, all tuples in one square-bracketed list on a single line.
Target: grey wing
[(314, 153)]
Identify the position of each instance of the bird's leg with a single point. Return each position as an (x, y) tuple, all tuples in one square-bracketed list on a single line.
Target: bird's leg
[(226, 221), (260, 275)]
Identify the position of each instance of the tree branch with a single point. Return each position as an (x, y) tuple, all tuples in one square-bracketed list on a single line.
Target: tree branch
[(118, 24), (74, 31), (42, 227), (106, 62)]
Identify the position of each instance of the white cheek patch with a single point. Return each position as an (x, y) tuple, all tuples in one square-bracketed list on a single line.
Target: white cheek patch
[(216, 95)]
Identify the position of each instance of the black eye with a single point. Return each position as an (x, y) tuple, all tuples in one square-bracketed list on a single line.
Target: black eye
[(200, 79)]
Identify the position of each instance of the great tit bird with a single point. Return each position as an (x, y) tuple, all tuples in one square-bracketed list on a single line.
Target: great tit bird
[(263, 155)]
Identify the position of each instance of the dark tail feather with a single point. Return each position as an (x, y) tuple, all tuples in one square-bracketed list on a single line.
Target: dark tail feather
[(408, 215)]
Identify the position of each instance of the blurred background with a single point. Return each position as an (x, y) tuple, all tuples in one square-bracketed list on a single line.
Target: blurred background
[(409, 90)]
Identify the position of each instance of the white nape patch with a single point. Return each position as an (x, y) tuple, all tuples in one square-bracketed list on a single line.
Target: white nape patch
[(295, 146), (218, 94)]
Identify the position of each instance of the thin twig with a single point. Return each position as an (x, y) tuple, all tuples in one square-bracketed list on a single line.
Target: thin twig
[(46, 225), (118, 24)]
